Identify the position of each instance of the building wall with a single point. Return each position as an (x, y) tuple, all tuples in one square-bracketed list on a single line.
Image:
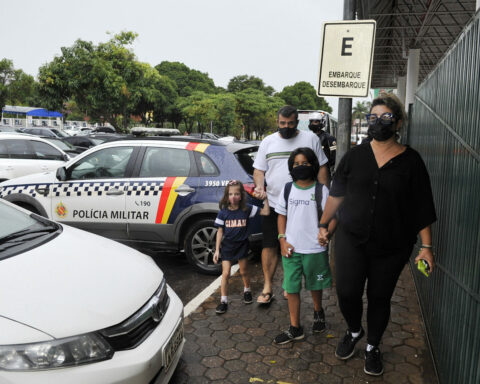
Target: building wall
[(445, 129)]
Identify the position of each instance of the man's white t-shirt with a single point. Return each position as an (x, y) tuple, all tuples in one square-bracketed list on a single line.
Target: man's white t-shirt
[(272, 158), (302, 218)]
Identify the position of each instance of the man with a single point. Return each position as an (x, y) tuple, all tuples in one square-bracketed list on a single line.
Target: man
[(271, 166), (329, 143)]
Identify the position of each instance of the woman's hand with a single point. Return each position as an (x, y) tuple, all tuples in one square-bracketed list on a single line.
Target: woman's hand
[(216, 256), (323, 236), (427, 255), (286, 248)]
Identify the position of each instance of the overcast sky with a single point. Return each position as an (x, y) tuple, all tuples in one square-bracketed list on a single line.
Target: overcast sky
[(276, 40)]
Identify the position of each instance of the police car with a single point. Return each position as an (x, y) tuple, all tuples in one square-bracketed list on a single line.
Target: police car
[(158, 192)]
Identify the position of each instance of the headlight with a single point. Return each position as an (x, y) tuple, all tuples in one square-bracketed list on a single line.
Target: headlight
[(60, 353)]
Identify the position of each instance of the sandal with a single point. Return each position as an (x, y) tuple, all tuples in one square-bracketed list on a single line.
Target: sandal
[(268, 296)]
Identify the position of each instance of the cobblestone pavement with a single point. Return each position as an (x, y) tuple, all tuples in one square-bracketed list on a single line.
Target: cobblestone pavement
[(237, 347)]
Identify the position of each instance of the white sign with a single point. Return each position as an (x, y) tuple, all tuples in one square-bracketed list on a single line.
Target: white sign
[(346, 58)]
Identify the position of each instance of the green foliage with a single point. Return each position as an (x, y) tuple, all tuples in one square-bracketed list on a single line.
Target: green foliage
[(16, 87), (303, 96), (243, 82)]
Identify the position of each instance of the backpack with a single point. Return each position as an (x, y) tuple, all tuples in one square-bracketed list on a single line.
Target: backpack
[(318, 196)]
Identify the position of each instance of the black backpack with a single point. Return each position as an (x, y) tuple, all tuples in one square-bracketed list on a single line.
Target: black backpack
[(318, 196)]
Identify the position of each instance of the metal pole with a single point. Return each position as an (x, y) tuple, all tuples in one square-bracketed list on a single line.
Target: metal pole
[(345, 104), (413, 66)]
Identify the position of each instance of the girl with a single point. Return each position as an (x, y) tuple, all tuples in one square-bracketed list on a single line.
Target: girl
[(232, 237), (299, 209)]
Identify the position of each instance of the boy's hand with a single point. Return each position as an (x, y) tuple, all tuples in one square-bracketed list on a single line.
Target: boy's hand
[(216, 256), (286, 248), (323, 236)]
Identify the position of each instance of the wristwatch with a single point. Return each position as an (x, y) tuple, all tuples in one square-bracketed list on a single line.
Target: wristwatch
[(323, 226)]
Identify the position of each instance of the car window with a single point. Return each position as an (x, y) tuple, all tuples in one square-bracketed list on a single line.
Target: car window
[(19, 149), (45, 151), (64, 146), (3, 150), (13, 220), (102, 164), (161, 162), (246, 158), (206, 166)]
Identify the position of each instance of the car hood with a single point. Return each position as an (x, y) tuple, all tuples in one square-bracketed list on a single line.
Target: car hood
[(34, 178), (76, 283)]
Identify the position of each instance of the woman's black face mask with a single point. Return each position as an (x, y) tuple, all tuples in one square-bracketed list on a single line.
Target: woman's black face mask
[(287, 133), (381, 131), (303, 172)]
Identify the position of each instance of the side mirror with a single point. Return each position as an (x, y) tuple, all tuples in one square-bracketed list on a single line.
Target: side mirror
[(66, 157), (61, 174)]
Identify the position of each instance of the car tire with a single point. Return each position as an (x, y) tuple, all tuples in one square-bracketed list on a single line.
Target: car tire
[(200, 247)]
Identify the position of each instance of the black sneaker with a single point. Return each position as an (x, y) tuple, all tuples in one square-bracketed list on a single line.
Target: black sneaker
[(292, 333), (373, 362), (346, 347), (319, 321), (222, 308), (247, 297)]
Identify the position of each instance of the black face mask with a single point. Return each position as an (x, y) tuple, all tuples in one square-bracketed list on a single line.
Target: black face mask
[(315, 128), (302, 172), (287, 133), (381, 132)]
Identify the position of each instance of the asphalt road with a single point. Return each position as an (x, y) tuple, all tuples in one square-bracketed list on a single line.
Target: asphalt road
[(180, 275)]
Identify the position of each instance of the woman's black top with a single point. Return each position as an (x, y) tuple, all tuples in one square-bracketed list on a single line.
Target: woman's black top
[(385, 207)]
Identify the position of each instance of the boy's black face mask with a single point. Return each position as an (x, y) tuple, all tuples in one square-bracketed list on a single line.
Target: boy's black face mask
[(303, 172)]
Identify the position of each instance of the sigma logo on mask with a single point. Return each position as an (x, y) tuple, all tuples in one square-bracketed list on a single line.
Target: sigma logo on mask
[(157, 313)]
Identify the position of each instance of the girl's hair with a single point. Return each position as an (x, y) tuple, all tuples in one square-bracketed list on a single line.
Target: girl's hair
[(224, 201), (311, 157)]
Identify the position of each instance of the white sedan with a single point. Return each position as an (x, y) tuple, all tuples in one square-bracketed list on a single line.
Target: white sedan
[(79, 308)]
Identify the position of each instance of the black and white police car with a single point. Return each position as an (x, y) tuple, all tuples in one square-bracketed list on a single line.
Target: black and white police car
[(159, 193)]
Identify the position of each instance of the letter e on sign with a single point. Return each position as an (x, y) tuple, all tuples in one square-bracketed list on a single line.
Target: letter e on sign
[(346, 58)]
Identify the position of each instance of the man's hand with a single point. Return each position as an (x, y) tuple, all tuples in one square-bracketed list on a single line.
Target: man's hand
[(260, 193)]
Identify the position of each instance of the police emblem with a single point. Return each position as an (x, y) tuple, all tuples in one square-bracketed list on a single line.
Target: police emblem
[(61, 210)]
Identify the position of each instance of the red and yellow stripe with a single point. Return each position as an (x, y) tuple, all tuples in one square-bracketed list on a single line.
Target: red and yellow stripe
[(169, 196)]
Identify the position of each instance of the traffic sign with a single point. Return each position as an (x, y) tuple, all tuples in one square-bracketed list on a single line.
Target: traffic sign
[(346, 58)]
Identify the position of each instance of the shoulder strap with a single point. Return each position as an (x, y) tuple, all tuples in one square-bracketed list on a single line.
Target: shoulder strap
[(318, 199), (286, 192)]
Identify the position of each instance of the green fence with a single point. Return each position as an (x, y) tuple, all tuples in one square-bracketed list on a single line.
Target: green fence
[(445, 129)]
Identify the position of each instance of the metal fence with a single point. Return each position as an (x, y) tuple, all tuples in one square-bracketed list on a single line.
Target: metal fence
[(445, 129)]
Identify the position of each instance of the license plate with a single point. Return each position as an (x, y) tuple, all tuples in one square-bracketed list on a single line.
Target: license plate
[(172, 346)]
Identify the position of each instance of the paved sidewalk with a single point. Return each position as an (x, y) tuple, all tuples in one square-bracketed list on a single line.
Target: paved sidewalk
[(237, 347)]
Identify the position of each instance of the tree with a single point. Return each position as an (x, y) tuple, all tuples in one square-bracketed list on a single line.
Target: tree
[(257, 111), (359, 111), (16, 87), (303, 96), (106, 81), (7, 74), (242, 82)]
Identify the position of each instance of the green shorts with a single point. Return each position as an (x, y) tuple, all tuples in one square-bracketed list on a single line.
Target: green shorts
[(313, 266)]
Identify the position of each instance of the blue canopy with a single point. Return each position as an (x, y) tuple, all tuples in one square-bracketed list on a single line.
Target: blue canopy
[(30, 111)]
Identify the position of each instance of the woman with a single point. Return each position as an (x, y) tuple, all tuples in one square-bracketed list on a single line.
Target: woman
[(383, 196)]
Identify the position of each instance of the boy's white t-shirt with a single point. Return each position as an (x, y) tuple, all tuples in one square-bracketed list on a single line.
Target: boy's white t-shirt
[(302, 218), (272, 158)]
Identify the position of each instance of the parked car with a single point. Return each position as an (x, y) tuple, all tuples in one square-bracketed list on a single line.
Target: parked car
[(83, 141), (78, 308), (52, 132), (104, 130), (23, 154), (153, 192), (7, 128)]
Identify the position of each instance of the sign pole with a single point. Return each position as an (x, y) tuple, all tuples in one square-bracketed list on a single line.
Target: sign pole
[(345, 104)]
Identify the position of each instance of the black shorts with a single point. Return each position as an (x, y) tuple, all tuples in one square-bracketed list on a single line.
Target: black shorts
[(234, 252), (270, 230)]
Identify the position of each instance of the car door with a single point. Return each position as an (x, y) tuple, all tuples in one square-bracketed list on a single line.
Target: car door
[(93, 195), (48, 157), (162, 189)]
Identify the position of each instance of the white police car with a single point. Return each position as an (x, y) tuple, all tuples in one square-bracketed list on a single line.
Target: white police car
[(156, 192), (97, 312)]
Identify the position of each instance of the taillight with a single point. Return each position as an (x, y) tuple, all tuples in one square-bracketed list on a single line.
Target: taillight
[(249, 188)]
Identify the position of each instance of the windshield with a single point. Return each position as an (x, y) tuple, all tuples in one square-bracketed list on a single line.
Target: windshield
[(13, 220), (63, 145)]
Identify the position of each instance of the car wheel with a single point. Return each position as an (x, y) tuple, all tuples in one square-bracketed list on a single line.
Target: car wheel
[(200, 247)]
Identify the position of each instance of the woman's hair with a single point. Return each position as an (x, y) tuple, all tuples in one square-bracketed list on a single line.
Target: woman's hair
[(224, 201), (311, 157), (393, 103)]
